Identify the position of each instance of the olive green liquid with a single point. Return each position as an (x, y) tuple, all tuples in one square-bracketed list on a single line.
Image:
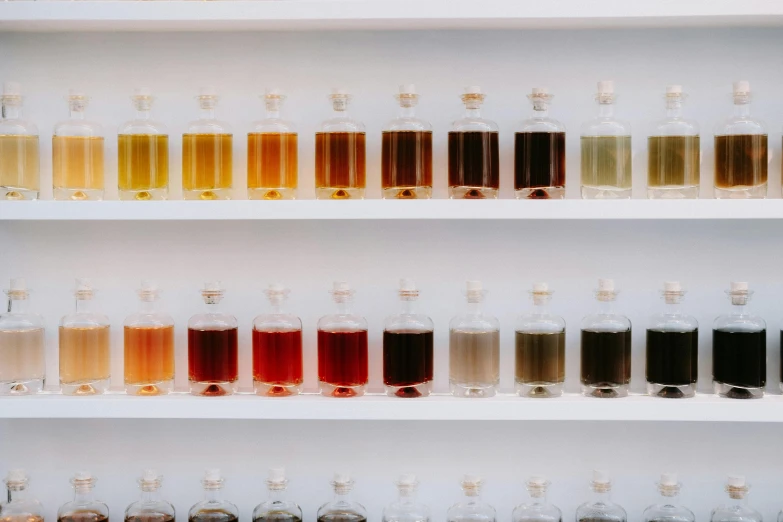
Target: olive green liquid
[(540, 358), (673, 161), (606, 161)]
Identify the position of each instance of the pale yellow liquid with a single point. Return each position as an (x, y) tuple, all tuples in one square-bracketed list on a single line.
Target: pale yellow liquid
[(18, 164), (84, 354), (77, 162), (606, 161), (142, 161), (474, 357), (206, 162), (22, 355)]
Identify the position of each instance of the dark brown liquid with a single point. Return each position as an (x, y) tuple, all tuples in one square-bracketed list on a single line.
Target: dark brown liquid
[(213, 355), (540, 358), (406, 159), (606, 358), (150, 517), (213, 516), (539, 161), (740, 359), (473, 159), (740, 160), (672, 357), (339, 159), (277, 516), (407, 359), (342, 517), (83, 516)]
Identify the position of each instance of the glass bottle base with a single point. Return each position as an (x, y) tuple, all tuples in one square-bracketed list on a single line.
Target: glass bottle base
[(213, 388), (410, 391), (730, 391), (473, 193), (271, 194), (605, 192), (472, 390), (540, 193), (539, 390), (673, 192), (339, 193), (77, 194), (21, 387), (206, 194), (332, 390), (18, 193), (158, 194), (605, 390), (669, 391), (742, 192), (96, 387), (407, 193), (150, 388), (266, 389)]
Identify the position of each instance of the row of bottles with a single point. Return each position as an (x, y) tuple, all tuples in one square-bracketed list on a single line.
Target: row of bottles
[(406, 160)]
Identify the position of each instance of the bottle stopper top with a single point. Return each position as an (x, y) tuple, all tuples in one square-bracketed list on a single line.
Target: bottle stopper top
[(741, 87), (540, 90), (668, 479), (407, 285), (147, 285), (338, 91), (341, 286), (207, 90), (213, 286), (736, 481), (142, 91), (473, 89), (606, 285), (273, 92), (540, 287), (672, 286), (276, 475), (276, 288), (82, 475), (407, 480), (83, 284), (76, 93), (739, 286), (473, 286), (342, 477), (16, 475), (212, 475), (18, 284), (537, 480), (674, 89), (12, 89), (471, 480), (600, 477), (408, 88), (150, 475), (606, 87)]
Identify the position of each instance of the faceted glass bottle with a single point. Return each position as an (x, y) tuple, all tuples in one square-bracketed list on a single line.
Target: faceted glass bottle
[(674, 152), (672, 353), (739, 349), (537, 509), (474, 348), (406, 508), (668, 507), (212, 347), (85, 349), (272, 153), (600, 507), (407, 347), (539, 152), (340, 153), (474, 164), (19, 169), (213, 508), (277, 348), (342, 348), (606, 151), (19, 507), (277, 508), (737, 508), (150, 507), (606, 347), (77, 154), (149, 346), (207, 153), (406, 153), (741, 151), (471, 508), (83, 507), (540, 349), (143, 153), (22, 346), (342, 508)]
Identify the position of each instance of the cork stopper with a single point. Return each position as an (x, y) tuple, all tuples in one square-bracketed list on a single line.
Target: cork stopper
[(601, 482), (408, 290), (668, 485), (342, 483), (536, 486), (84, 290), (606, 290), (472, 97), (276, 480), (471, 485), (737, 487), (212, 292), (605, 92), (474, 292), (17, 289), (212, 479), (150, 480)]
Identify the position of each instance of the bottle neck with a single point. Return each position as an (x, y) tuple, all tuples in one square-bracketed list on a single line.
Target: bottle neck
[(142, 113), (149, 496), (472, 111), (606, 307), (540, 110), (674, 109), (537, 495), (409, 306), (272, 106), (672, 307), (148, 306), (212, 307), (667, 497), (213, 495), (540, 305), (276, 495), (17, 306), (407, 111), (742, 110), (83, 306), (474, 307), (601, 497), (342, 496), (11, 111), (407, 495), (276, 304), (606, 110), (17, 493), (344, 306), (83, 495), (76, 110), (207, 112)]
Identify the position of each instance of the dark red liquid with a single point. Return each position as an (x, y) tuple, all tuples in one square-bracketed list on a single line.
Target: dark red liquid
[(473, 159), (212, 355), (539, 161), (342, 358), (277, 357), (407, 358)]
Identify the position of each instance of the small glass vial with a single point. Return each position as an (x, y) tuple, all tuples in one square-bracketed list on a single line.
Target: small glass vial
[(406, 153), (606, 151), (474, 348), (19, 507), (212, 347), (277, 508), (471, 508), (739, 349), (19, 169), (85, 349), (737, 507), (77, 154), (22, 346), (143, 153), (213, 508), (342, 348), (340, 153), (539, 152), (406, 508), (407, 347), (672, 348), (668, 507), (277, 348), (83, 507), (474, 165), (207, 169), (741, 151), (673, 152), (342, 508), (272, 153), (600, 507), (537, 509), (606, 347), (540, 349), (150, 507), (149, 346)]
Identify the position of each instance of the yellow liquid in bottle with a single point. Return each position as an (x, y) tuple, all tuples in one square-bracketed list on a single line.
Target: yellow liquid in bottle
[(19, 171), (143, 166), (77, 167), (207, 166)]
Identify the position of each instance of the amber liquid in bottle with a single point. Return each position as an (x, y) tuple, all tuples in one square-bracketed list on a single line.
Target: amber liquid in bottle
[(474, 164), (539, 162), (213, 516), (673, 161), (21, 355), (83, 516), (150, 517), (149, 357), (740, 161), (84, 354), (77, 164), (340, 165), (406, 164), (142, 165), (18, 166), (207, 166), (606, 360), (272, 165)]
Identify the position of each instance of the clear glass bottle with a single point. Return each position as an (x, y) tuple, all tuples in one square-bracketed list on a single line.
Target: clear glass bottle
[(406, 508), (19, 507), (673, 152), (213, 351), (213, 508), (474, 348), (471, 508), (737, 509), (537, 508), (77, 154), (474, 164), (741, 154), (150, 507), (207, 156), (739, 349), (406, 152), (149, 346), (272, 153), (672, 353), (83, 507), (340, 153), (407, 347), (342, 508), (606, 347), (539, 152), (277, 348), (600, 507), (19, 168), (606, 151), (668, 507), (143, 153), (277, 508), (540, 348), (22, 345), (342, 348), (85, 349)]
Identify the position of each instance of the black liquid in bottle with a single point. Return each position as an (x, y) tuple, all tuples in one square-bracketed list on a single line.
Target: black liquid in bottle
[(739, 359), (672, 360), (539, 161), (150, 517), (407, 360), (277, 516), (213, 516), (606, 360), (474, 161), (342, 517)]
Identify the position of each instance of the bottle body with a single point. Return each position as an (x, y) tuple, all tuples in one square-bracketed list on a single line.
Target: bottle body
[(406, 507), (207, 153), (213, 508), (471, 508), (19, 163), (213, 355), (540, 349), (539, 152), (22, 345), (150, 507), (83, 507), (474, 166), (277, 355), (342, 355), (340, 164), (342, 508), (77, 155), (272, 165), (142, 154), (536, 509)]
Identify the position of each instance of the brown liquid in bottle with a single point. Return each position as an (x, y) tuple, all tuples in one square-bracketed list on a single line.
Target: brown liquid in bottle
[(272, 164), (207, 165), (150, 517), (83, 516), (406, 163), (539, 162), (540, 358), (740, 160), (474, 163), (213, 516), (340, 165), (142, 163)]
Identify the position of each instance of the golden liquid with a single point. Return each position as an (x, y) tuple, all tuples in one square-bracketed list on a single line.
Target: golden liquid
[(606, 161), (84, 354), (142, 161), (18, 163), (77, 162), (149, 354), (21, 355), (673, 161), (206, 161), (16, 517), (272, 160)]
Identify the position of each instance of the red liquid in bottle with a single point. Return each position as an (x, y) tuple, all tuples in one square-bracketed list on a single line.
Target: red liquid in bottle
[(277, 359), (342, 360), (212, 355)]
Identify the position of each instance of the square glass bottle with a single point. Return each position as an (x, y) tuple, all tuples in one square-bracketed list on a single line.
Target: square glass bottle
[(272, 153), (18, 506), (668, 507), (600, 507), (83, 507), (737, 507), (277, 508), (19, 163), (537, 508), (539, 152), (406, 508), (342, 508), (150, 507), (22, 346), (471, 508), (214, 508)]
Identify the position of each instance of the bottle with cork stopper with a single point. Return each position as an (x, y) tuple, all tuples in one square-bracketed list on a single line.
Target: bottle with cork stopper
[(19, 163), (22, 344), (272, 153), (536, 508), (19, 506), (151, 507), (471, 508), (600, 507), (214, 508), (668, 507), (407, 507), (737, 507), (342, 508), (277, 508), (83, 507)]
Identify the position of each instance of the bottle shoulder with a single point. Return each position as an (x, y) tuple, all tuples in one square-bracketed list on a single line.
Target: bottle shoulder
[(606, 323), (606, 127), (159, 319), (278, 507), (540, 323), (735, 513), (146, 127), (223, 506), (341, 124), (674, 127), (342, 323), (77, 128), (212, 321), (607, 511), (28, 506), (668, 512), (84, 320), (18, 127), (406, 512), (408, 124), (96, 506), (526, 512), (738, 125), (541, 125), (277, 322), (272, 126), (739, 323), (208, 126), (408, 323), (17, 321), (462, 511), (342, 507), (158, 506), (672, 323), (474, 124), (474, 323)]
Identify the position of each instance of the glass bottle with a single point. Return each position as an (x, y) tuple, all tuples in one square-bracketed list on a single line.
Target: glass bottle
[(406, 153), (342, 508), (77, 154), (406, 508), (737, 509), (739, 349), (342, 347), (143, 153), (212, 347), (471, 508), (606, 347), (741, 151), (537, 508), (277, 508), (149, 346), (540, 348), (606, 151), (213, 508), (673, 152), (85, 349), (539, 152), (19, 170), (668, 507), (407, 347), (19, 507), (672, 348), (83, 507), (340, 153), (150, 507), (207, 153), (22, 346), (474, 348), (277, 348), (600, 507), (474, 165), (272, 153)]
